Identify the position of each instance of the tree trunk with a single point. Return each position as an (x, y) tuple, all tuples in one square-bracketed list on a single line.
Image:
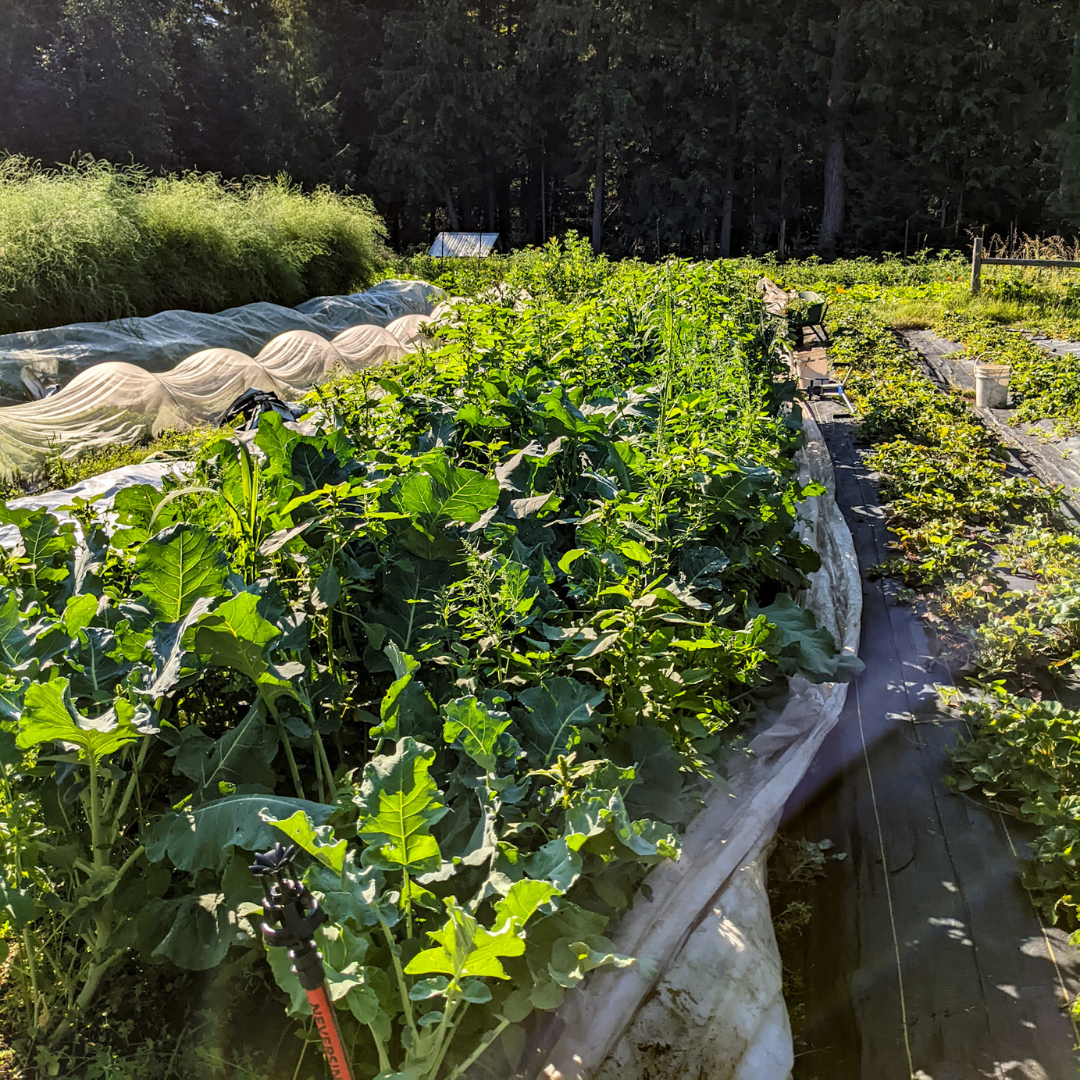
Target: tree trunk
[(84, 102), (543, 195), (489, 193), (527, 203), (729, 178), (1069, 193), (502, 212), (451, 212), (725, 226), (598, 181), (781, 236), (832, 215), (598, 189)]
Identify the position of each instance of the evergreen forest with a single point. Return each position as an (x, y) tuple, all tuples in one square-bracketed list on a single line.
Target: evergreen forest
[(699, 127)]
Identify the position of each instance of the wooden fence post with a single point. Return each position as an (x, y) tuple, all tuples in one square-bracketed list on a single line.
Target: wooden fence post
[(976, 266)]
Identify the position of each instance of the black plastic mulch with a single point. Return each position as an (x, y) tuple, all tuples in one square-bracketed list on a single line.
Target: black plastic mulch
[(924, 955)]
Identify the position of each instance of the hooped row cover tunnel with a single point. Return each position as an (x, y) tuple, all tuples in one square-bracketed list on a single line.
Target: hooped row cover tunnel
[(124, 388)]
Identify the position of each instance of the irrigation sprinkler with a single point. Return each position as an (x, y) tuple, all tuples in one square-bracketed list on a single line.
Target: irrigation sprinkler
[(290, 905)]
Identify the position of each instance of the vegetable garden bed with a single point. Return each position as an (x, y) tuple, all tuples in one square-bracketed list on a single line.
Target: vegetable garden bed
[(480, 647), (985, 564), (993, 566)]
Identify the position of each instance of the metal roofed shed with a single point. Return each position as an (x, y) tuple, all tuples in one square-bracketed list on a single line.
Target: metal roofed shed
[(463, 245)]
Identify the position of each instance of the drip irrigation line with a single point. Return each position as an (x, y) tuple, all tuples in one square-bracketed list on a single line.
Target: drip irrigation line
[(888, 889)]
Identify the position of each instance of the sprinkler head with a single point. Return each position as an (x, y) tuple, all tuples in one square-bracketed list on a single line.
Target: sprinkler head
[(292, 913), (276, 861), (288, 901)]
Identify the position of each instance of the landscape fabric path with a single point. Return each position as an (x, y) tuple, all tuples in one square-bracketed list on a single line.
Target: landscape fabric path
[(1035, 447), (924, 956)]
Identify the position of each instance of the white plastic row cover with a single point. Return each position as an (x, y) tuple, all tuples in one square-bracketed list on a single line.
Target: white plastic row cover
[(120, 403)]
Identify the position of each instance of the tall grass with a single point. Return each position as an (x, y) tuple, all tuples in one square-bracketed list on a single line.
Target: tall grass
[(98, 241)]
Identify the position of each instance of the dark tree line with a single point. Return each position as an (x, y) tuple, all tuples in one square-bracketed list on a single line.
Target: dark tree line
[(706, 127)]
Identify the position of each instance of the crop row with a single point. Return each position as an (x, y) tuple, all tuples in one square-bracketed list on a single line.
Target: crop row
[(967, 527), (478, 646)]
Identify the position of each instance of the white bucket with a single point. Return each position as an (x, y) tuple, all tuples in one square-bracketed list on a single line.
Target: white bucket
[(991, 386)]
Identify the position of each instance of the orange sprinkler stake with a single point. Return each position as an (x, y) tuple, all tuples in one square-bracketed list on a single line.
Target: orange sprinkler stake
[(290, 905), (325, 1020)]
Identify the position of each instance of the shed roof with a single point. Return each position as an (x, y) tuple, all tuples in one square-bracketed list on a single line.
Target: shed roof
[(461, 245)]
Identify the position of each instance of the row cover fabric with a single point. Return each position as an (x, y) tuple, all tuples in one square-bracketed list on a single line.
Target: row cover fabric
[(705, 999), (117, 403), (158, 342), (101, 488)]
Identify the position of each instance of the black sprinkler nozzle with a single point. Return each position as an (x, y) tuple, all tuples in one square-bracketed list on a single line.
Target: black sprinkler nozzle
[(292, 913)]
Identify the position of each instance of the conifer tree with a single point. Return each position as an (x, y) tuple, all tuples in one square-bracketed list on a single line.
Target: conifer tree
[(650, 126)]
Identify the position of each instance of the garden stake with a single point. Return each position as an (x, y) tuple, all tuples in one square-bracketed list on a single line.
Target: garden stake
[(290, 904)]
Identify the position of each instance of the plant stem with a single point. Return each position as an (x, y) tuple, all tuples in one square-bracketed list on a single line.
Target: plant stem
[(442, 1041), (320, 752), (403, 990), (459, 1070), (300, 1061), (32, 972), (96, 856), (349, 639), (380, 1046), (86, 995), (293, 770), (140, 761), (129, 862), (319, 776)]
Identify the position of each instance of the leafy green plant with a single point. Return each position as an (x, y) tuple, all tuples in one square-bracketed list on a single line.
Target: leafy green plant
[(1024, 755), (497, 623), (490, 913)]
